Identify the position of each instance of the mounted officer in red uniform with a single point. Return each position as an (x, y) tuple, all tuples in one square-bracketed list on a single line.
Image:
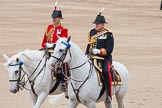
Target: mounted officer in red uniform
[(54, 30), (51, 35), (101, 44)]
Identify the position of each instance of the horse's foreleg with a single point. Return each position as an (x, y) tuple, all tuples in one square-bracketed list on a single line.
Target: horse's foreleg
[(41, 97), (108, 105), (72, 104), (32, 97)]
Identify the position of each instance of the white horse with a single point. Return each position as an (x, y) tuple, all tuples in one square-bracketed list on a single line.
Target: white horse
[(83, 84), (32, 64)]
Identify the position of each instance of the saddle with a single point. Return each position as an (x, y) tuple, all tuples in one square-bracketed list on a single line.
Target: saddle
[(116, 78), (60, 70)]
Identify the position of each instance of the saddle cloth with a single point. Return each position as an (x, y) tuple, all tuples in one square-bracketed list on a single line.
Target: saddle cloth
[(116, 78)]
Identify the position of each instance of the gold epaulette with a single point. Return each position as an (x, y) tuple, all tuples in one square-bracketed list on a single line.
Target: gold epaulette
[(109, 30)]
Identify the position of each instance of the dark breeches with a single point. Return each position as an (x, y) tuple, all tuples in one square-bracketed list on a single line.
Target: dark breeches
[(107, 72)]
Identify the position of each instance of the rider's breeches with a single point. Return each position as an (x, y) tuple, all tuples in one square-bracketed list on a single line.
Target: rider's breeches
[(107, 77)]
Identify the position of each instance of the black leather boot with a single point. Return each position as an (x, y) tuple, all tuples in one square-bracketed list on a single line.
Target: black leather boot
[(106, 83), (63, 83)]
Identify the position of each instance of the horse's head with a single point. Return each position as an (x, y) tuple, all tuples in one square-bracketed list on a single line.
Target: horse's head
[(60, 54), (14, 68)]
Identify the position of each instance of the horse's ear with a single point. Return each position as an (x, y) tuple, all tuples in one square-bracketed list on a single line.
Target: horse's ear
[(5, 57), (17, 60), (68, 40)]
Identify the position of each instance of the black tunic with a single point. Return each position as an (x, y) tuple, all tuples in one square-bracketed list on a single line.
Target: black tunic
[(104, 39)]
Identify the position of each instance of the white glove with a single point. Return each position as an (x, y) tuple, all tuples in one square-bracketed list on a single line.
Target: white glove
[(49, 45), (95, 51)]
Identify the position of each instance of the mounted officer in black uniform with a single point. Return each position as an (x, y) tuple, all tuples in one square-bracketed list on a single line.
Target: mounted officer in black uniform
[(101, 44)]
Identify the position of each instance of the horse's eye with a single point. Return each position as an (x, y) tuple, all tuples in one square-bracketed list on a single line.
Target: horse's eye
[(61, 50), (16, 72)]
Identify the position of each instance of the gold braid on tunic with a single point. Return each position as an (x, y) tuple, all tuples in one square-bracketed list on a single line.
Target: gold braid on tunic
[(48, 34), (93, 39)]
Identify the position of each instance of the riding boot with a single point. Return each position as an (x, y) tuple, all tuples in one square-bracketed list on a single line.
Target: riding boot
[(63, 78), (106, 83), (63, 83)]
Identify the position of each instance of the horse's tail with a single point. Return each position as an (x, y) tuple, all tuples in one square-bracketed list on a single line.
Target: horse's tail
[(56, 99)]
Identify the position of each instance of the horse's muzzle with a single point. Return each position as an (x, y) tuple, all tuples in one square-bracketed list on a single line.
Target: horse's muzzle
[(14, 91)]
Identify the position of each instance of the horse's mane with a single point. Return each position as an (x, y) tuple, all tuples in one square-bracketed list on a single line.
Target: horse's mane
[(63, 39), (31, 54), (75, 46)]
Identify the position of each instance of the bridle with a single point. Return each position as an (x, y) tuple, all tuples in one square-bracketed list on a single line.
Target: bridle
[(19, 80), (60, 61), (21, 85), (62, 57)]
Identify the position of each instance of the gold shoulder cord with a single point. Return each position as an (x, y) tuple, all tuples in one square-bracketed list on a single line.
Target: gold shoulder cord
[(48, 34), (93, 39)]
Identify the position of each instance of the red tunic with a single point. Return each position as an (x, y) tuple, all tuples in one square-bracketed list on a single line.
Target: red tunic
[(50, 35)]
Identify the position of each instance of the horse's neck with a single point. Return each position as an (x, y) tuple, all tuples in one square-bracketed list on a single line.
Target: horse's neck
[(30, 65), (77, 56), (77, 59)]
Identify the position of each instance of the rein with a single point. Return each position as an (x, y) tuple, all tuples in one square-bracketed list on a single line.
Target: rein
[(36, 68), (69, 78), (76, 91), (78, 66), (32, 82)]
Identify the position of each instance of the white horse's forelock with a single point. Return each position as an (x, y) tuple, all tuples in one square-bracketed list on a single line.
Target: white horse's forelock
[(61, 39)]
